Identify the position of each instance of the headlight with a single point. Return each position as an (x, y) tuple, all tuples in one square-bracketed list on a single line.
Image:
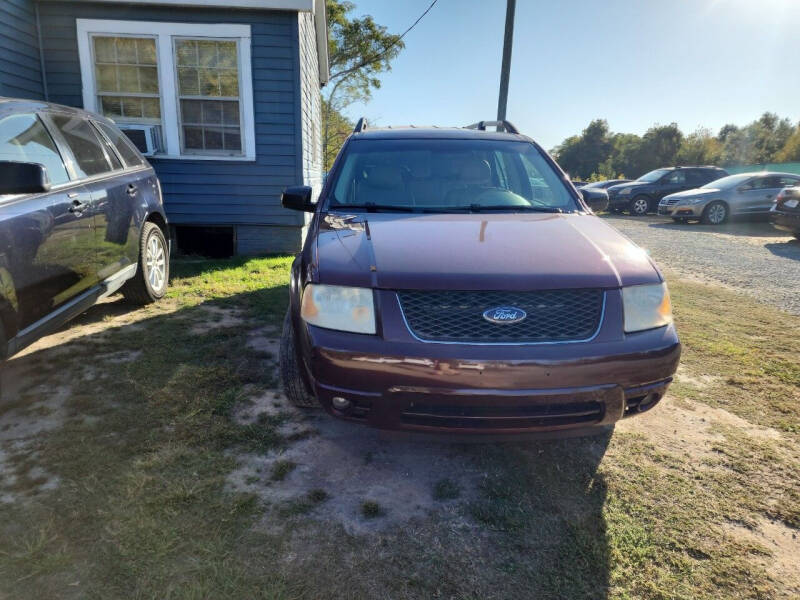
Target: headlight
[(339, 307), (625, 192), (646, 307)]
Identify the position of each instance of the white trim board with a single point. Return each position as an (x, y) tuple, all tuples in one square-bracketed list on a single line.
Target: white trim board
[(163, 34), (299, 5)]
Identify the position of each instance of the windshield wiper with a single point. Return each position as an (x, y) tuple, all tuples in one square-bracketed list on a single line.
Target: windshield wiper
[(509, 208), (373, 207)]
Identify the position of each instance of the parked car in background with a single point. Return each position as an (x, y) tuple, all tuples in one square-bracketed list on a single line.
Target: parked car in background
[(437, 290), (785, 213), (595, 197), (80, 218), (743, 194), (642, 196), (604, 185), (578, 183)]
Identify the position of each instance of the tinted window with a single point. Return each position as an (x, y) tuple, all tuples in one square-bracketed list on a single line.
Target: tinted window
[(653, 175), (87, 149), (697, 177), (446, 174), (789, 181), (122, 144), (676, 177), (23, 138)]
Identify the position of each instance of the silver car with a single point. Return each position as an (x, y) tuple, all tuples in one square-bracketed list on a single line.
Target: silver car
[(735, 195)]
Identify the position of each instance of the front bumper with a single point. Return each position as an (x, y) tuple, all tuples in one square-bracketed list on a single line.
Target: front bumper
[(785, 221), (681, 210), (402, 384)]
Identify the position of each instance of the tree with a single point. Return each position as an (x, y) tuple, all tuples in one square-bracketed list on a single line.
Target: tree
[(359, 50), (580, 155), (791, 149), (700, 148), (337, 128)]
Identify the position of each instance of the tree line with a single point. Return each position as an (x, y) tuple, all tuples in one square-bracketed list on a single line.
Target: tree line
[(597, 153)]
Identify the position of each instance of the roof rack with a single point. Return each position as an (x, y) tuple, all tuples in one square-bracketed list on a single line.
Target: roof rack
[(501, 126), (361, 125)]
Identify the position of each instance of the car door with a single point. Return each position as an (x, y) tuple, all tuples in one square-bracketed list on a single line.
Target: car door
[(672, 182), (757, 194), (109, 187), (47, 241), (119, 218)]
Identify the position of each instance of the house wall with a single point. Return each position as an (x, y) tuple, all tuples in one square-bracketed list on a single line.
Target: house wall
[(20, 66), (245, 195)]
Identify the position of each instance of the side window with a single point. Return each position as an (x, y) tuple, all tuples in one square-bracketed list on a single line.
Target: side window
[(87, 149), (769, 183), (789, 181), (23, 138), (699, 177), (676, 177), (123, 145)]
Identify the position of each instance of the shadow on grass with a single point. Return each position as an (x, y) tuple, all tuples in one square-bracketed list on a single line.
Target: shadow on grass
[(140, 455)]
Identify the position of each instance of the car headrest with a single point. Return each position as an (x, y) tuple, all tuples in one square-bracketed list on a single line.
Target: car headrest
[(385, 176), (476, 170)]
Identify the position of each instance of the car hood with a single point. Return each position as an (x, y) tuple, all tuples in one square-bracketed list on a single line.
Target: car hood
[(693, 193), (477, 252), (616, 189)]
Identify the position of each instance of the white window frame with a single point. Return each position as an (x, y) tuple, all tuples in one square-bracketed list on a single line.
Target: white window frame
[(167, 75)]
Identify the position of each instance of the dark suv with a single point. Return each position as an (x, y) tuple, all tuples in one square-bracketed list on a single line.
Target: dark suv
[(80, 218), (643, 195), (440, 289)]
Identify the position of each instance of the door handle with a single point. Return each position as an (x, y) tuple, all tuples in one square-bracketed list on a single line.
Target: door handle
[(72, 195), (78, 206), (132, 189)]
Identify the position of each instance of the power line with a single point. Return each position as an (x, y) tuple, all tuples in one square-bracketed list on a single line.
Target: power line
[(383, 52)]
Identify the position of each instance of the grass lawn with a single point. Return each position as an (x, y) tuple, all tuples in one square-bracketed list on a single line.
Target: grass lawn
[(119, 442)]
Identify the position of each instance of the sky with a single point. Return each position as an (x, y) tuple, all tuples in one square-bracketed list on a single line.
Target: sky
[(699, 63)]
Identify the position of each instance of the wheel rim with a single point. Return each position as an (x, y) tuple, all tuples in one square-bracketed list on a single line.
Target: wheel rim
[(640, 206), (156, 263), (717, 213)]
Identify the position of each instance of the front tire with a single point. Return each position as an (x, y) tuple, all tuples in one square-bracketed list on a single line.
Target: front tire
[(639, 206), (152, 274), (293, 385), (716, 213)]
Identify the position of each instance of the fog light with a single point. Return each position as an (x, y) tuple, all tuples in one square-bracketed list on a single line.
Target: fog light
[(340, 403)]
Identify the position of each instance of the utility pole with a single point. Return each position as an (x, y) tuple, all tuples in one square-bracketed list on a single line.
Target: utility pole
[(508, 42)]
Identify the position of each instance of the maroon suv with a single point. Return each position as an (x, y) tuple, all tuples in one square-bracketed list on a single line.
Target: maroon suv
[(454, 280)]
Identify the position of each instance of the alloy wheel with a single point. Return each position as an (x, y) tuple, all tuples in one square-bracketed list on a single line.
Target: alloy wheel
[(640, 206), (156, 263), (717, 214)]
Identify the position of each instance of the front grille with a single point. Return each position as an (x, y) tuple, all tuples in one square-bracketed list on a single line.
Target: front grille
[(670, 201), (502, 417), (457, 316)]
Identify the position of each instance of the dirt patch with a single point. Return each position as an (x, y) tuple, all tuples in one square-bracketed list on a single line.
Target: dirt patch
[(783, 546), (686, 426), (265, 339), (40, 410), (218, 318), (339, 468)]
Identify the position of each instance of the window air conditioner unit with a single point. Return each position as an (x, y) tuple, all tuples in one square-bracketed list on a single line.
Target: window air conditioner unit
[(146, 138)]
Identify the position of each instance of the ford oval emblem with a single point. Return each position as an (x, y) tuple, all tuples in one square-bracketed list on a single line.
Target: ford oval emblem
[(505, 315)]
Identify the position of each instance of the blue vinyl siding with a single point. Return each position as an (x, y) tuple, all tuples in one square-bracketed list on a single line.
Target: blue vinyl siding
[(20, 64), (207, 192)]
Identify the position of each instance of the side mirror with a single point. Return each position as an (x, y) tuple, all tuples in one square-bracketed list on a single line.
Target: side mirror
[(597, 200), (22, 178), (298, 198)]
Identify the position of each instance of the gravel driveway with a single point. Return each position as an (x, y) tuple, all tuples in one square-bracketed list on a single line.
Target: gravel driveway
[(751, 257)]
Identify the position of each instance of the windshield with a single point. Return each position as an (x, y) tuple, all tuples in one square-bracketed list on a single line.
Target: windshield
[(653, 175), (726, 182), (444, 175)]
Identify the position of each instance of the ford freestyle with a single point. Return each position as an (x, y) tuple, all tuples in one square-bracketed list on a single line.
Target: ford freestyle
[(81, 217), (454, 280)]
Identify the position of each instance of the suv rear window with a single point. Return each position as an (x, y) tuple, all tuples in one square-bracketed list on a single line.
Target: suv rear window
[(87, 149), (23, 138), (447, 174), (123, 145)]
